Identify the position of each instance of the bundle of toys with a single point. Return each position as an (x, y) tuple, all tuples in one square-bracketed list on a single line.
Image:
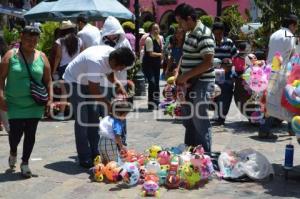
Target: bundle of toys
[(171, 167)]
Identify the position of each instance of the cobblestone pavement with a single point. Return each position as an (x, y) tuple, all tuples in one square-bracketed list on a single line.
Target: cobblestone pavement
[(58, 176)]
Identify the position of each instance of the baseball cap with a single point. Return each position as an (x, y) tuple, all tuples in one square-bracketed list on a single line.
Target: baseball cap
[(33, 30)]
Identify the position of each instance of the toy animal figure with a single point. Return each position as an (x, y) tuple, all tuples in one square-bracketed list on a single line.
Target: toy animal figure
[(129, 173), (164, 157), (97, 160), (150, 188), (98, 172), (189, 175), (141, 159), (154, 150), (185, 157), (277, 62), (173, 179), (152, 177), (111, 171), (131, 156), (152, 166), (163, 174)]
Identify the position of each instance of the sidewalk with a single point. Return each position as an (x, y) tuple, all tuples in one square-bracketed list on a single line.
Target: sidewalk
[(53, 160)]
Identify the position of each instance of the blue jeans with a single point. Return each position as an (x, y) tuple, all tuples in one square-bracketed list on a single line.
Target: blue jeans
[(197, 125), (224, 100), (86, 123)]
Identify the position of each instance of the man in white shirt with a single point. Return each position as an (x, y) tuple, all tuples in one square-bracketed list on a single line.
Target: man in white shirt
[(89, 34), (83, 75), (284, 42)]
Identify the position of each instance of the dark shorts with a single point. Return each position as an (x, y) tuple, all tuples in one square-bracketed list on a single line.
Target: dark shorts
[(61, 71)]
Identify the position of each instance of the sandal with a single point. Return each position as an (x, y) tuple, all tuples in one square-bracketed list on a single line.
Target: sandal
[(25, 171), (12, 160)]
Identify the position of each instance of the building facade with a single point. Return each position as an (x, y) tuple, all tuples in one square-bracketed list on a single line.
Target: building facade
[(161, 11)]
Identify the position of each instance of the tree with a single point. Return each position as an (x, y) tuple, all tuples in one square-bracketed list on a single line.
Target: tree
[(233, 21), (273, 11)]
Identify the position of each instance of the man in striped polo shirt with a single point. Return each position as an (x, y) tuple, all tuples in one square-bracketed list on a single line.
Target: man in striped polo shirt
[(197, 75), (224, 50)]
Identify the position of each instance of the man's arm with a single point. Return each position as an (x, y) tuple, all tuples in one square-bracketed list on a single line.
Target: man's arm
[(3, 75), (120, 88)]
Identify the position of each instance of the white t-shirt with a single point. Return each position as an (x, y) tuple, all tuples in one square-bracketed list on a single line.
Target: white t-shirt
[(282, 41), (65, 57), (90, 36), (89, 65)]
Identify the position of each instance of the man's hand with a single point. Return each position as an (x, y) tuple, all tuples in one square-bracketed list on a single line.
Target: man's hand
[(121, 90), (49, 106), (3, 105), (181, 80)]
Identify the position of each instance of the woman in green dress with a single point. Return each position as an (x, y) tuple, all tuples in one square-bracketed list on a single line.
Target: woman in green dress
[(15, 97)]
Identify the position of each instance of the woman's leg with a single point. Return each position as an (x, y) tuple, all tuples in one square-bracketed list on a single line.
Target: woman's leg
[(30, 126), (15, 135)]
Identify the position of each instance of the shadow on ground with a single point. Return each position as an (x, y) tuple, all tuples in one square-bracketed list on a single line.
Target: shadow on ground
[(67, 167), (282, 187), (10, 175)]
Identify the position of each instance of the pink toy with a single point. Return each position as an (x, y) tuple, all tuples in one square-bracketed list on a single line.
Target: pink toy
[(150, 188), (258, 80), (164, 157)]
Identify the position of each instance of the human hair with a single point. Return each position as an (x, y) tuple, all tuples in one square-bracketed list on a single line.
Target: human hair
[(151, 26), (71, 42), (82, 18), (121, 107), (218, 26), (122, 56), (289, 20), (185, 10)]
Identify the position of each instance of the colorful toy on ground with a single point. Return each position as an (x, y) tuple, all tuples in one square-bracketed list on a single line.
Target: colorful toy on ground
[(258, 79), (163, 173), (111, 171), (296, 126), (152, 166), (150, 188), (98, 172), (164, 157), (190, 176), (173, 178), (130, 173), (153, 150)]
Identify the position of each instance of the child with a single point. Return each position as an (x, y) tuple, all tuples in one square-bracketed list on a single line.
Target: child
[(239, 61), (112, 132)]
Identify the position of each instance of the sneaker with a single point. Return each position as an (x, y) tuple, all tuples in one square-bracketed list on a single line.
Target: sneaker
[(25, 171), (60, 116), (12, 160)]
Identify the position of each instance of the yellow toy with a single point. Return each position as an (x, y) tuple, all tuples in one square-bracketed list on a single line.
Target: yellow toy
[(276, 62), (153, 151), (98, 169)]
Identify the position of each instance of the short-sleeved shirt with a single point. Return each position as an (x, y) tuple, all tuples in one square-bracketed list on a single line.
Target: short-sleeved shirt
[(226, 49), (65, 57), (89, 65), (197, 44), (110, 127), (90, 36), (282, 41)]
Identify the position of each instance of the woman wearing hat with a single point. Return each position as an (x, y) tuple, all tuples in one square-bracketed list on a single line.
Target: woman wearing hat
[(23, 112), (69, 46)]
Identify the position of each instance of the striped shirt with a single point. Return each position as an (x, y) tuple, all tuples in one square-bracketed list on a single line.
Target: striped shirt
[(197, 44), (226, 49)]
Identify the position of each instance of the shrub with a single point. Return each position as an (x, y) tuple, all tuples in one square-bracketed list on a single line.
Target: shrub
[(47, 37), (207, 20)]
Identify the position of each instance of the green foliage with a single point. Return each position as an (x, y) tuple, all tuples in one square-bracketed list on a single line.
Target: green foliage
[(10, 36), (133, 71), (233, 20), (47, 37), (146, 25), (207, 20), (129, 25), (273, 11)]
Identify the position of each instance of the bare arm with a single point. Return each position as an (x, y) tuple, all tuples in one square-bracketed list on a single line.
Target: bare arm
[(47, 78), (120, 88), (57, 59), (3, 74)]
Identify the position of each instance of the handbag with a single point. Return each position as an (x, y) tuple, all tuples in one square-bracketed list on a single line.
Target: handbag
[(38, 91)]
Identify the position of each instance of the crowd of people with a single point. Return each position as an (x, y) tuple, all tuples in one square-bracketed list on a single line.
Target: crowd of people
[(91, 68)]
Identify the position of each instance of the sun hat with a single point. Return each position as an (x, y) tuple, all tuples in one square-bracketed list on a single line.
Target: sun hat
[(142, 31), (66, 25)]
